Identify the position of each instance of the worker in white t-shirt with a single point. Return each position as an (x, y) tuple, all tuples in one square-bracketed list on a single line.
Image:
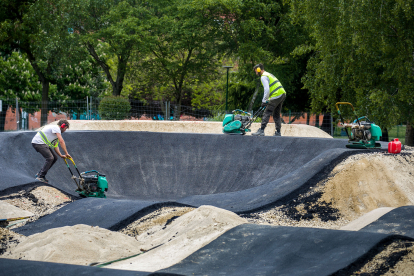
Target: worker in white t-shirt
[(46, 143)]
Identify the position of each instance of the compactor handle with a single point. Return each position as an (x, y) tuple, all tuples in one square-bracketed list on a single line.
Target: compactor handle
[(338, 103), (70, 160)]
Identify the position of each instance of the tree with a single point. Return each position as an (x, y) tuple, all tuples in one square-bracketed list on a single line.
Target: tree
[(17, 80), (39, 30), (108, 28), (184, 46), (261, 31), (362, 53)]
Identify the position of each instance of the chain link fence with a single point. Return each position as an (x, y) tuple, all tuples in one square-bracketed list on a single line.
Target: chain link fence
[(28, 116)]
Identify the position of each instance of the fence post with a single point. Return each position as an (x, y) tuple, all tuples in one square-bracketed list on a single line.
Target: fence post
[(332, 134), (87, 108), (90, 109), (17, 114)]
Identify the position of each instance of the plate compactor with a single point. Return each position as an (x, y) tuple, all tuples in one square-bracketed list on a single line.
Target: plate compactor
[(364, 133), (239, 121), (90, 183)]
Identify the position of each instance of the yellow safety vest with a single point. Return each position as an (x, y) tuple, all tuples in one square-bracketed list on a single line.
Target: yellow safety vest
[(47, 142), (276, 88)]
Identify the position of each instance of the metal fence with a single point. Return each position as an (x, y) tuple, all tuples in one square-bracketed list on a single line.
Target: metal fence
[(28, 115)]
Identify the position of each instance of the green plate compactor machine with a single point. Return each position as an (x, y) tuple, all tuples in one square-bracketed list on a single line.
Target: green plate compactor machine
[(364, 134), (90, 183), (239, 121)]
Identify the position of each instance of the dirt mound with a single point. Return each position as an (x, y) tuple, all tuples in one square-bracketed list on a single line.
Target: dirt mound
[(366, 182), (84, 244), (181, 238), (40, 200), (79, 244)]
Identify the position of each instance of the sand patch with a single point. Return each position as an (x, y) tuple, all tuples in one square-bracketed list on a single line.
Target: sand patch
[(80, 244), (181, 238), (8, 211), (40, 200), (84, 244), (370, 181)]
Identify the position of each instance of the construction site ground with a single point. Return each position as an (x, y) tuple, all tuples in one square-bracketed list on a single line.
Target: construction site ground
[(347, 191)]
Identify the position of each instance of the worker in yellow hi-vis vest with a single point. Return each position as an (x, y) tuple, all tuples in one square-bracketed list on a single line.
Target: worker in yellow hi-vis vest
[(46, 143), (273, 98)]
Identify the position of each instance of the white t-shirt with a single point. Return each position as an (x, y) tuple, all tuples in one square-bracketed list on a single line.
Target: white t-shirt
[(50, 132)]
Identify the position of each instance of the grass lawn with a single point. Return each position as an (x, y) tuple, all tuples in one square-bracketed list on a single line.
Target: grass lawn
[(397, 132)]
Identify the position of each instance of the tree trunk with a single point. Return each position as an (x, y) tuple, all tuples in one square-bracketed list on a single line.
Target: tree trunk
[(177, 111), (409, 135), (45, 102), (256, 91)]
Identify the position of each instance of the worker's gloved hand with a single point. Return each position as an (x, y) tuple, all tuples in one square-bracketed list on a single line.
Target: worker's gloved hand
[(264, 104)]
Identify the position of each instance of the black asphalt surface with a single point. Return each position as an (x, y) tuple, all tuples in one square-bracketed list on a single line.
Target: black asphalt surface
[(276, 250), (237, 173), (30, 268), (399, 221), (105, 213), (173, 166)]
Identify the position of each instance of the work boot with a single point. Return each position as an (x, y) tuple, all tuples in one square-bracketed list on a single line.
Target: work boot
[(260, 132), (41, 179), (277, 133)]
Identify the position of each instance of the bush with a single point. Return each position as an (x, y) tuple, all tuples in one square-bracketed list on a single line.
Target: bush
[(114, 108)]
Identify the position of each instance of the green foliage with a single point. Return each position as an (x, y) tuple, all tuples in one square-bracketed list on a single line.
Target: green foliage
[(18, 79), (263, 32), (363, 54), (114, 108), (208, 94), (109, 29), (184, 50)]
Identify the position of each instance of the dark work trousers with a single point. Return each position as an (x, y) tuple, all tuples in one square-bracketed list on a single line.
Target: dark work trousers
[(274, 107), (49, 154)]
